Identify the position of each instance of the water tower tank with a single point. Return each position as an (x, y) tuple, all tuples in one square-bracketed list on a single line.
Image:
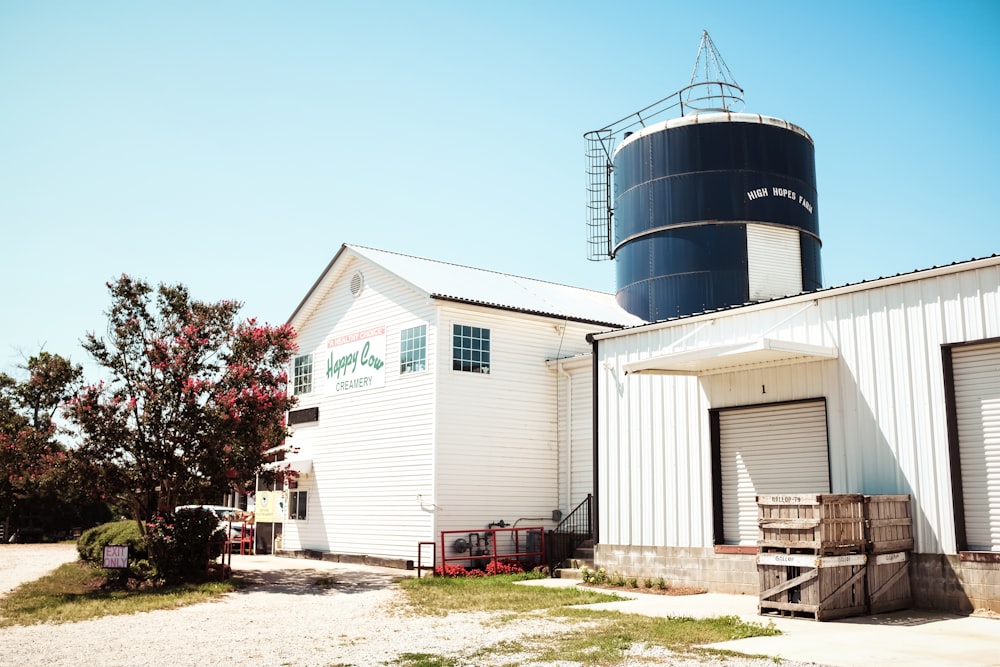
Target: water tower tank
[(714, 210)]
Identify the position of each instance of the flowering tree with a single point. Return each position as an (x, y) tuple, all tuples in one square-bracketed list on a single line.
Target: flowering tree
[(193, 399), (29, 449)]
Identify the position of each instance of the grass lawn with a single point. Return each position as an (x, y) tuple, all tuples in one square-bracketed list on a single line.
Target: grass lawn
[(74, 592), (591, 637), (567, 630)]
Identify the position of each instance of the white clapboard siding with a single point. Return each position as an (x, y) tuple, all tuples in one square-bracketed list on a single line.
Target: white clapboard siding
[(433, 450), (372, 484), (497, 455), (575, 419)]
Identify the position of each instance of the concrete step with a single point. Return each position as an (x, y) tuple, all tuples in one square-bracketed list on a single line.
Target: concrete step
[(568, 573)]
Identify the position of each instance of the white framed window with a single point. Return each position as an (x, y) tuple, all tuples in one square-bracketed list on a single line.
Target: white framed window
[(297, 501), (413, 349), (302, 376), (470, 349)]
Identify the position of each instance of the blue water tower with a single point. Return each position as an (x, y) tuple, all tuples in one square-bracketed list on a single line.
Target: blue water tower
[(708, 209)]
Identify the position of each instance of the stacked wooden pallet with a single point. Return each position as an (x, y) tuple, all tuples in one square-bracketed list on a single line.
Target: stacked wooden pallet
[(889, 542), (829, 556), (811, 556)]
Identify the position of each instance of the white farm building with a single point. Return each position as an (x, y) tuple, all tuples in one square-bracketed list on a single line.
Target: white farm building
[(436, 397), (432, 398), (884, 387)]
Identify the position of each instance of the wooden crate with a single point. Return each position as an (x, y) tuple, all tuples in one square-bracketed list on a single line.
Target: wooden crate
[(888, 525), (821, 524), (888, 582), (815, 587)]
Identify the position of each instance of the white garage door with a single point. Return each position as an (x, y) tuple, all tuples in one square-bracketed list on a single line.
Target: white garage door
[(774, 261), (977, 406), (769, 450)]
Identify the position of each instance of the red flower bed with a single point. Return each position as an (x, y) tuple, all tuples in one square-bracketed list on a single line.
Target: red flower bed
[(493, 567)]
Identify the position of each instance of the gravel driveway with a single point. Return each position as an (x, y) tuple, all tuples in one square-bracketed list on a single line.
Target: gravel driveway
[(282, 618)]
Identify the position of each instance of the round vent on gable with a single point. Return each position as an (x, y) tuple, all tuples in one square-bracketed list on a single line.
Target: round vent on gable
[(357, 283)]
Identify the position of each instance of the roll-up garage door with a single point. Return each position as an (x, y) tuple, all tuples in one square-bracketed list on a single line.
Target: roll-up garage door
[(769, 450), (977, 407), (774, 262)]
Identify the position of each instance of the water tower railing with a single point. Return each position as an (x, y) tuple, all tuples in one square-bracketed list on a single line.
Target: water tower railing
[(715, 96)]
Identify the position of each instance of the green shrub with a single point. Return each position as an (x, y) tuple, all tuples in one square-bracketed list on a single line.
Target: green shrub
[(181, 544), (91, 545)]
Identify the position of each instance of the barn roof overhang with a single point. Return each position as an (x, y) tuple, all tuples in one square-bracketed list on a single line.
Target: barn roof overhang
[(721, 358)]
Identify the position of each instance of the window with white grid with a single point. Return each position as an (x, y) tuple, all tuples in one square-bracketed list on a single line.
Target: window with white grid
[(470, 349), (302, 379), (413, 349)]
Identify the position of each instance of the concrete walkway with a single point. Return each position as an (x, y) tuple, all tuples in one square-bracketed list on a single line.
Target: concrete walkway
[(914, 638)]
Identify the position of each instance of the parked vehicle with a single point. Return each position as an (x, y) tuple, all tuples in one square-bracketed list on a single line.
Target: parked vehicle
[(231, 519)]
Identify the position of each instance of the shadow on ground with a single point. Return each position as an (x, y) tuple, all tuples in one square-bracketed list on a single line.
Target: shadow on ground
[(309, 581)]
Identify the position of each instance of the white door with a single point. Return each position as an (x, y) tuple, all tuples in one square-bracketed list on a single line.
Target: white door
[(769, 450), (977, 407)]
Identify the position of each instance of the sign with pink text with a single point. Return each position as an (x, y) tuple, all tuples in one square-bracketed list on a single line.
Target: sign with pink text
[(355, 361)]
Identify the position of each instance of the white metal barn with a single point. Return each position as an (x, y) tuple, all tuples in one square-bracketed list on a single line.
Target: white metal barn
[(884, 387), (435, 397)]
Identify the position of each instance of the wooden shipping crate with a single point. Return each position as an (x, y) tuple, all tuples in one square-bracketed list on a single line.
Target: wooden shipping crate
[(816, 587), (888, 525), (822, 524), (888, 582)]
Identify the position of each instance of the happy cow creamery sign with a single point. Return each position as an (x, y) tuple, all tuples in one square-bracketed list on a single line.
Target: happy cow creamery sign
[(355, 361)]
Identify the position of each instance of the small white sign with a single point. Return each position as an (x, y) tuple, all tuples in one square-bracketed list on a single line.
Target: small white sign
[(792, 560), (116, 556), (886, 559)]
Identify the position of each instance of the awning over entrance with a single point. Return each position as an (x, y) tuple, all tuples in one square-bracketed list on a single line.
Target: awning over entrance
[(717, 358), (301, 466)]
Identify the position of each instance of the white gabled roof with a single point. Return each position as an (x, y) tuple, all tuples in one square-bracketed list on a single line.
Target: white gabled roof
[(465, 284)]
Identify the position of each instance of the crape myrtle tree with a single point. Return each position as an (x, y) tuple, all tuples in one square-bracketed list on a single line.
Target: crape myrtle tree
[(30, 453), (193, 398)]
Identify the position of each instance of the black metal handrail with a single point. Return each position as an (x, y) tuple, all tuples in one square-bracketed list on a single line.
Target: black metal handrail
[(571, 532)]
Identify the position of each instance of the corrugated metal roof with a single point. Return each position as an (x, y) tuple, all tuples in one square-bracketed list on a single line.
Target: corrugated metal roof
[(820, 293), (465, 284)]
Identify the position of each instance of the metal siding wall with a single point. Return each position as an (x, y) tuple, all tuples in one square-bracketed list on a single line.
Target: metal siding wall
[(654, 489), (885, 398)]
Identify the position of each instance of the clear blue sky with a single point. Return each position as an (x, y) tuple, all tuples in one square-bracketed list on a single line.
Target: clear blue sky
[(234, 146)]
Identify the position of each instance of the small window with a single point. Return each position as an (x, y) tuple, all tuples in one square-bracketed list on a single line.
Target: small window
[(296, 502), (302, 382), (413, 349), (470, 349)]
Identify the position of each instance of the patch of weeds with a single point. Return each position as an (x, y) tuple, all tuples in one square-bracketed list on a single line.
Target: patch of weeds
[(325, 582), (505, 647), (424, 660)]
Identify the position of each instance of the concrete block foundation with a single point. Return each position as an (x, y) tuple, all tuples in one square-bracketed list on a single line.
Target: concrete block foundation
[(962, 584)]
